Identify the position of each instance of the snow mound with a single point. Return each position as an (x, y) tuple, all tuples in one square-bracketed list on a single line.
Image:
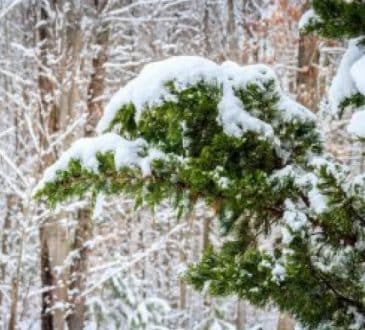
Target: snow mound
[(149, 89)]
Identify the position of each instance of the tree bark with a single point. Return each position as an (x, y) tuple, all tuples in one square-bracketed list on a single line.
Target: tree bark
[(53, 234), (285, 322), (46, 280), (308, 92), (78, 269), (14, 305), (241, 315), (47, 109)]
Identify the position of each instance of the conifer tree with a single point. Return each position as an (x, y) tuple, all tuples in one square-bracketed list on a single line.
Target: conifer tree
[(187, 129), (344, 20)]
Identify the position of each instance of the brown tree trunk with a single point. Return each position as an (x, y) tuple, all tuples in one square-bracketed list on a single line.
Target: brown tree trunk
[(10, 201), (47, 280), (53, 235), (206, 232), (285, 322), (241, 315), (308, 92), (14, 305), (78, 269), (206, 18), (231, 40)]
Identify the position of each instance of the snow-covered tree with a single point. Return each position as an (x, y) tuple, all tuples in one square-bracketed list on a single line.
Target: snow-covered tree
[(53, 83), (230, 136), (124, 308), (344, 20)]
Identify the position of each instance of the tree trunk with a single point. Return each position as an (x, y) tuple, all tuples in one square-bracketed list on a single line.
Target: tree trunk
[(241, 315), (53, 235), (14, 305), (308, 92), (10, 201), (231, 40), (285, 322), (47, 280), (78, 269), (206, 232)]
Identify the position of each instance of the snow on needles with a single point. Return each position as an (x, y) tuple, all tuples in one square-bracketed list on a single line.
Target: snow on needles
[(235, 121), (149, 89), (126, 153), (350, 80), (308, 17), (350, 75)]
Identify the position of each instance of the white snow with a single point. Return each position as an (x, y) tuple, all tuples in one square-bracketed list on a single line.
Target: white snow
[(126, 153), (149, 89), (99, 206), (236, 121), (287, 171), (297, 112), (359, 319), (344, 85), (307, 18), (358, 74), (293, 217), (318, 202), (240, 76), (357, 124), (278, 272)]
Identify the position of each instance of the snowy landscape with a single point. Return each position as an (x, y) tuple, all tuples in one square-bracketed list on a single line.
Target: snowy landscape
[(182, 164)]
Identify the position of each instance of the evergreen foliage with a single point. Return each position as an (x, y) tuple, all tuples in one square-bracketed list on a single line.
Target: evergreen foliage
[(345, 21), (338, 19), (293, 219)]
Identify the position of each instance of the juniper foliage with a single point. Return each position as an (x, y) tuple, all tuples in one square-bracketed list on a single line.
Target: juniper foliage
[(294, 222)]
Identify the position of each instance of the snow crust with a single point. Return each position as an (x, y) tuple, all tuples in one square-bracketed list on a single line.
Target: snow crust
[(126, 153), (149, 89)]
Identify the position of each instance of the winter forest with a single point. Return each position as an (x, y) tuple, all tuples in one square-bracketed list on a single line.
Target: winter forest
[(182, 164)]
